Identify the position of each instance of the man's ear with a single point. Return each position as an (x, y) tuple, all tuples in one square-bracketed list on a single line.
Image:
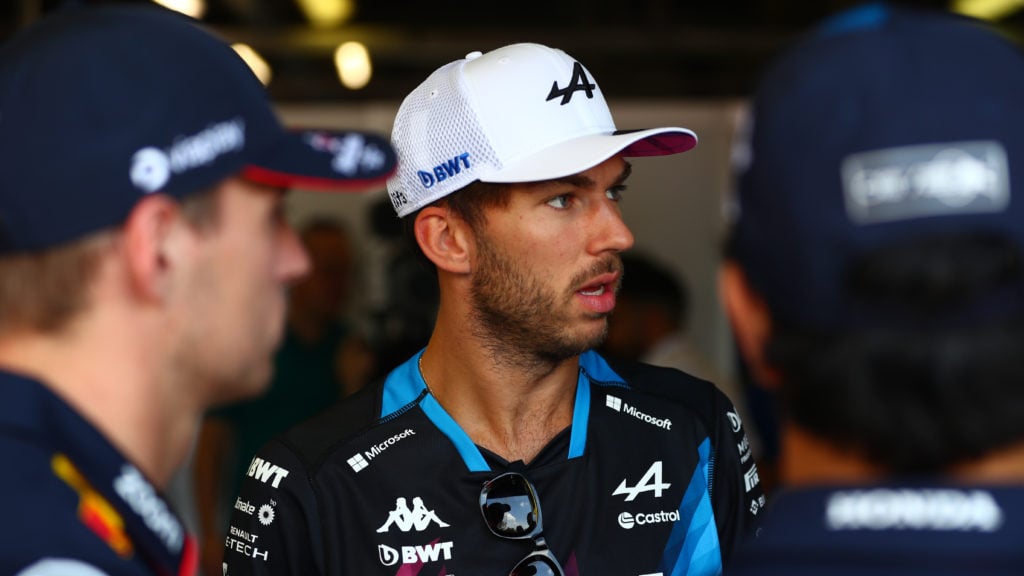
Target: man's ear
[(751, 322), (444, 239), (149, 236)]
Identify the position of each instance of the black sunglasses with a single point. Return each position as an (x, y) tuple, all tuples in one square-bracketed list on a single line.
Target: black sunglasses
[(511, 510)]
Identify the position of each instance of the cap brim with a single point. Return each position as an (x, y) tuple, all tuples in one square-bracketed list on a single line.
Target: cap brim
[(323, 160), (579, 154)]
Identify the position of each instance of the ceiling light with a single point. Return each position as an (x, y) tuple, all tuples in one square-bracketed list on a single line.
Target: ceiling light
[(352, 61), (327, 13), (193, 8), (987, 9)]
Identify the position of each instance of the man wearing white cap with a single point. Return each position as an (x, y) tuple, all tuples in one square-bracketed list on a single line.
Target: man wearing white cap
[(510, 173)]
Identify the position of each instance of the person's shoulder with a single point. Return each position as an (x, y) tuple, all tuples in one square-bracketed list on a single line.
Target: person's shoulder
[(669, 383), (315, 438), (47, 516)]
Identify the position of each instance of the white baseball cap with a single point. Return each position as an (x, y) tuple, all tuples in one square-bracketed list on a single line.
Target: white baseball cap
[(520, 113)]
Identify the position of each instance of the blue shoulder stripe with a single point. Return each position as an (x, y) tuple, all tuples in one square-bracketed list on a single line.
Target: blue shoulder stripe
[(403, 386), (694, 549)]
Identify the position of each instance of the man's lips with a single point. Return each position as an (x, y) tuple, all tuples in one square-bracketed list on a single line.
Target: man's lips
[(600, 284), (598, 295)]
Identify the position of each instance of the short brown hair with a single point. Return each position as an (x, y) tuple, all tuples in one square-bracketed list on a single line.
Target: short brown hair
[(467, 203), (44, 290)]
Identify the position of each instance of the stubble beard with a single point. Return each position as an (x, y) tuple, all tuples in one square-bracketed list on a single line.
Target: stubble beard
[(519, 322)]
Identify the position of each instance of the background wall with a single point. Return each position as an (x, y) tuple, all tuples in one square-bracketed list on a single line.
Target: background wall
[(673, 205)]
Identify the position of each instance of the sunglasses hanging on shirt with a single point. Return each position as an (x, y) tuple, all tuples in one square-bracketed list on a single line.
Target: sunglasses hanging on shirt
[(511, 510)]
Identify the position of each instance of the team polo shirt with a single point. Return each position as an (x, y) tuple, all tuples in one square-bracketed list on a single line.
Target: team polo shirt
[(75, 506), (904, 530), (653, 477)]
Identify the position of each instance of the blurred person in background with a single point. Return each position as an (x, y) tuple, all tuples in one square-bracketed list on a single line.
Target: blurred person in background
[(651, 320), (875, 278)]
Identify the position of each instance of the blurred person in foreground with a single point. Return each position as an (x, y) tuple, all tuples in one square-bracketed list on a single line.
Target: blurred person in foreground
[(875, 276), (143, 263), (320, 360), (507, 445)]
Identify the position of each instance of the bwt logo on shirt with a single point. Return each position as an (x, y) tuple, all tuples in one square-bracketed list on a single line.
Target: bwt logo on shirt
[(263, 471), (415, 554), (444, 171)]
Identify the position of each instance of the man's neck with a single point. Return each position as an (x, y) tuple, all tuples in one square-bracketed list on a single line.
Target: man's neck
[(104, 384), (513, 409)]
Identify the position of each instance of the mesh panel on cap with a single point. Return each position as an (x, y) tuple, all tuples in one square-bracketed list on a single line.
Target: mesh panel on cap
[(435, 125)]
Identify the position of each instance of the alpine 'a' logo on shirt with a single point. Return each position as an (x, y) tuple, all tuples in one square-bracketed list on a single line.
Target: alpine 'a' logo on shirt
[(578, 82), (651, 482), (418, 518)]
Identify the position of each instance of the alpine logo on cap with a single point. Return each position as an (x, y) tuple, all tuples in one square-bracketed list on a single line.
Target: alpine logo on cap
[(578, 82)]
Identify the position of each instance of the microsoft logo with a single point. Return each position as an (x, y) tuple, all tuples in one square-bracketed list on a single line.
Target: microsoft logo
[(357, 462), (614, 403)]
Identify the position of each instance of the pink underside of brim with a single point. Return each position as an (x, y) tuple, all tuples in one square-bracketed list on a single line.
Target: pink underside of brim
[(660, 146)]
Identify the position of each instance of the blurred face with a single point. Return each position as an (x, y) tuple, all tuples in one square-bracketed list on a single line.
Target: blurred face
[(233, 298), (547, 265)]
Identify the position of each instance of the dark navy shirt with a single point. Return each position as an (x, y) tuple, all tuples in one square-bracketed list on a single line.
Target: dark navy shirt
[(75, 506), (906, 530), (654, 477)]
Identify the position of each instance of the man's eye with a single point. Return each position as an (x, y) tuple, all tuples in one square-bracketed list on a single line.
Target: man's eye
[(561, 201), (615, 193)]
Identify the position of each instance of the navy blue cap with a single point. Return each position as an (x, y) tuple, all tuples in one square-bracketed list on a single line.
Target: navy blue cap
[(883, 125), (102, 105)]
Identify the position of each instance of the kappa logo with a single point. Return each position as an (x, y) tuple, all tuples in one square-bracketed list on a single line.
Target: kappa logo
[(418, 518), (651, 482), (578, 82)]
